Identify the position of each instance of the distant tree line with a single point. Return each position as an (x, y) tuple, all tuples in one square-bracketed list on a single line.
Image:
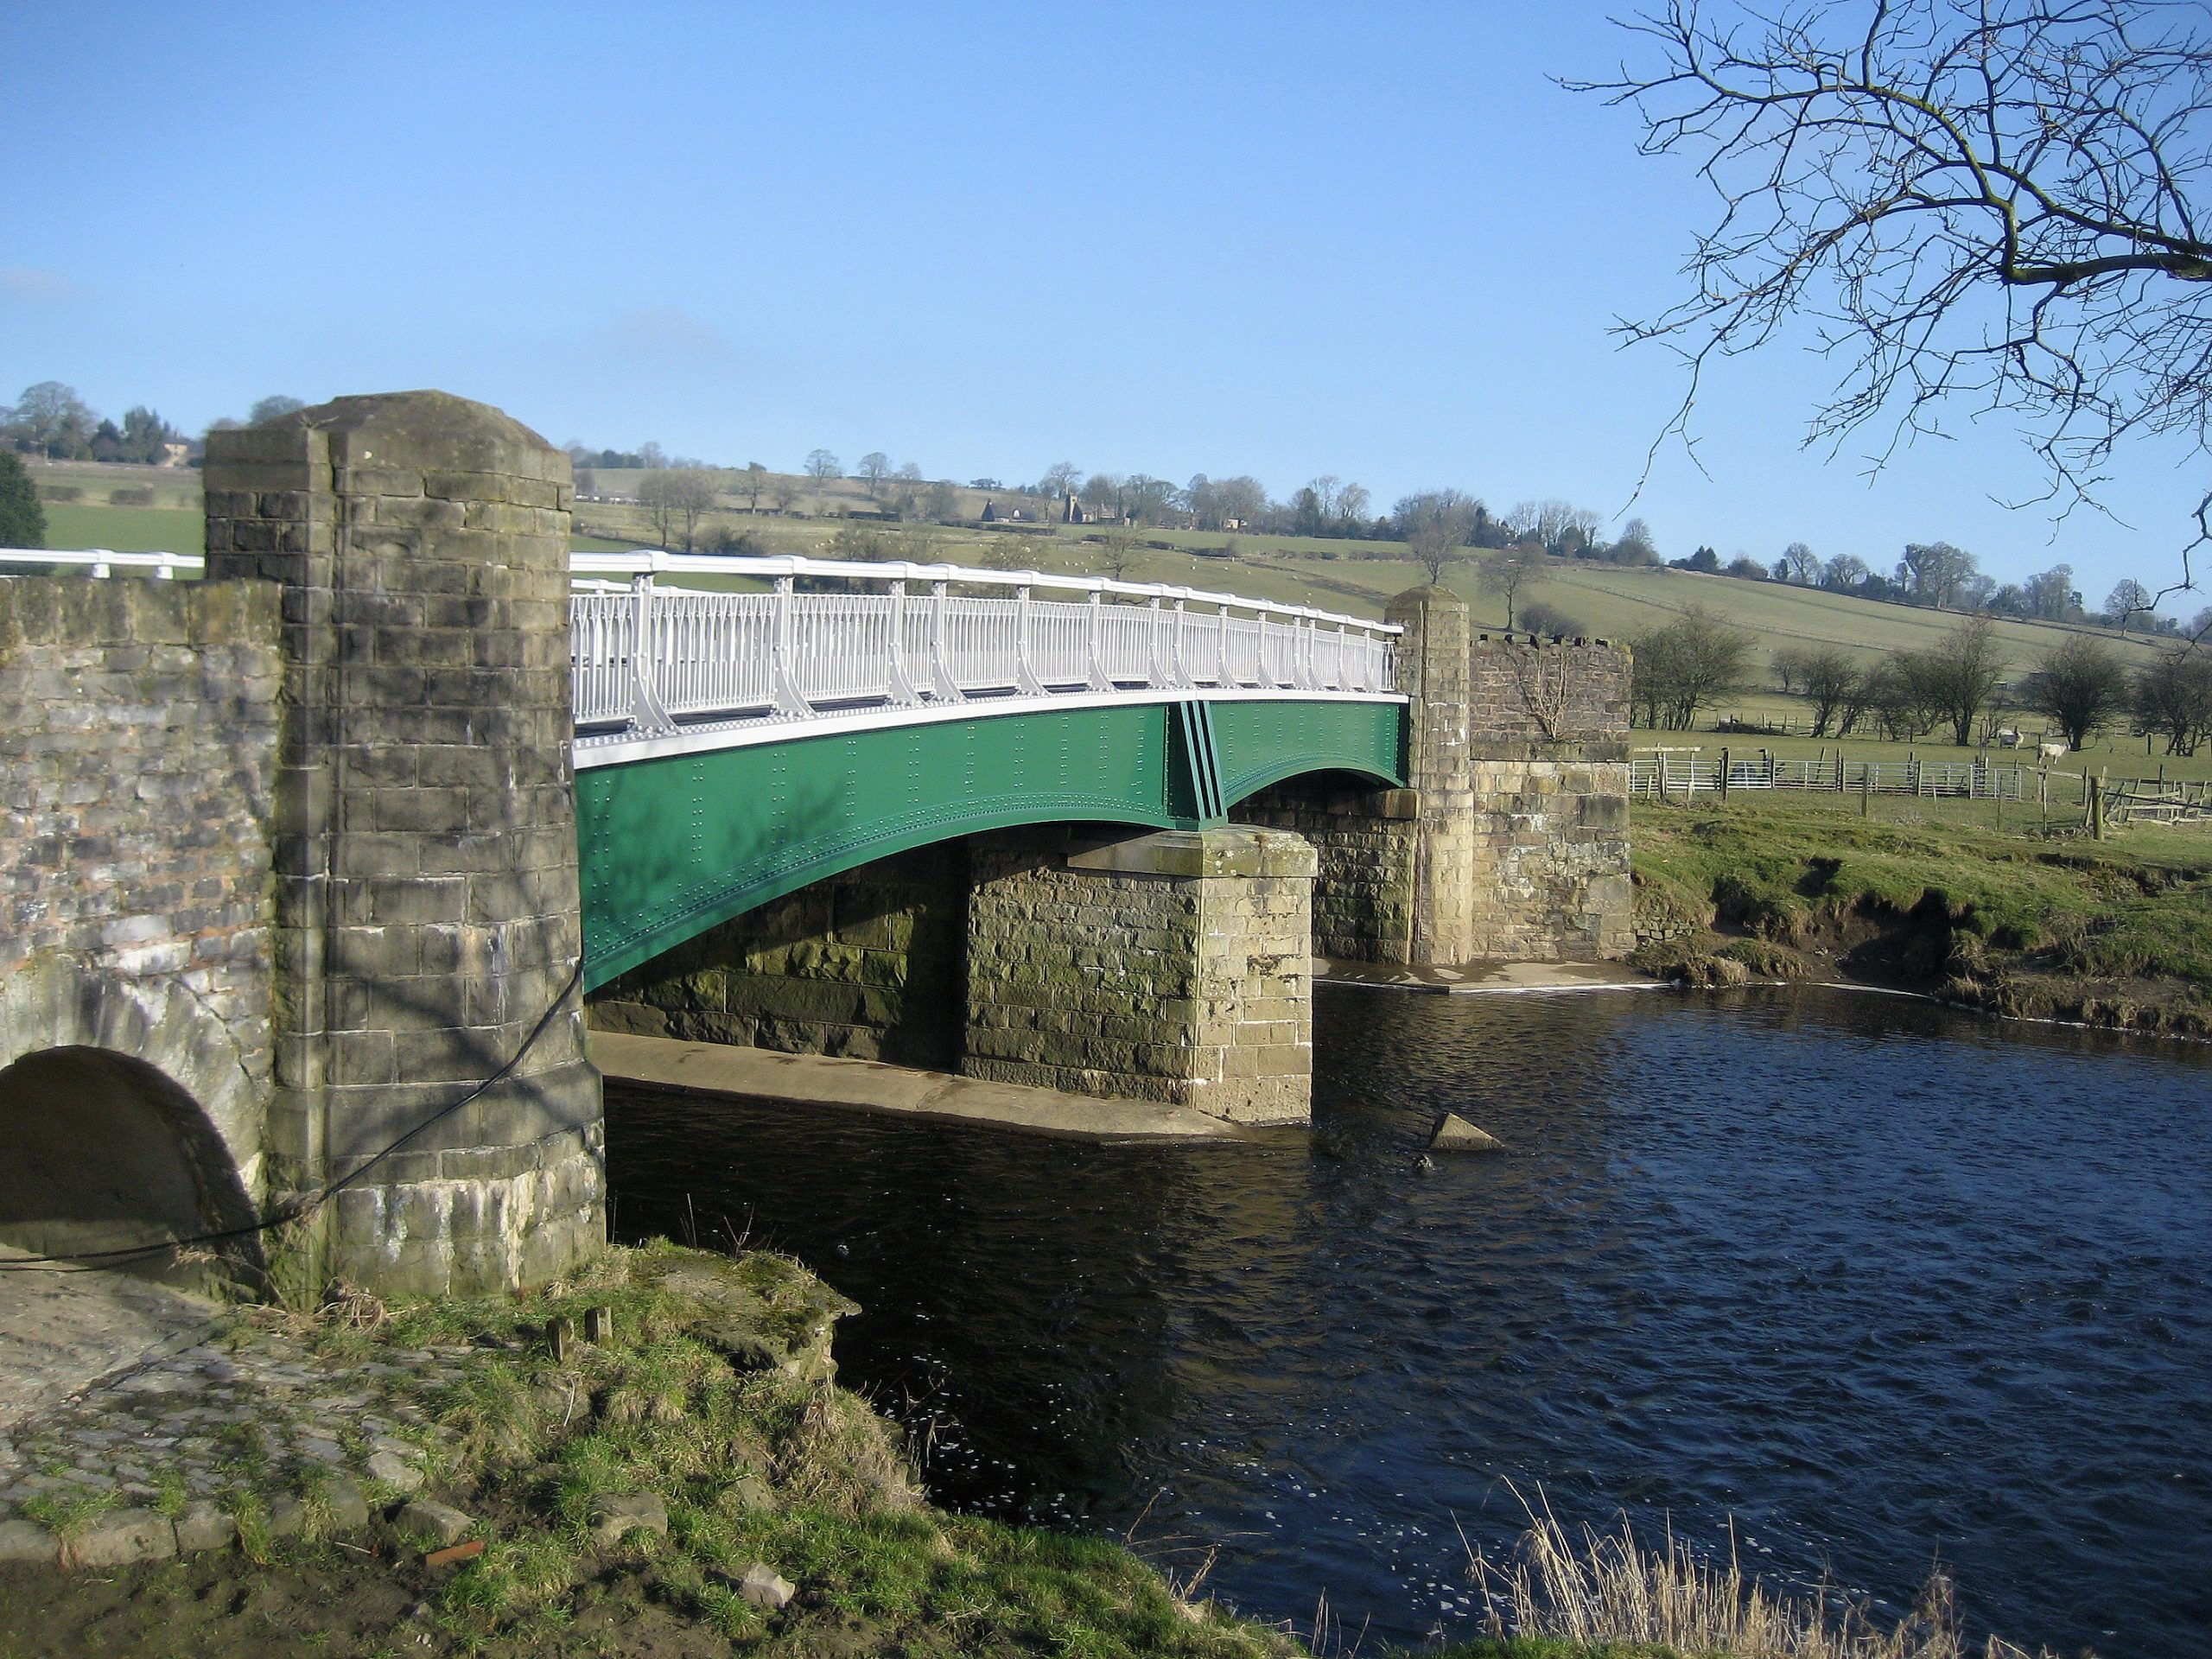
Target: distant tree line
[(1951, 691), (50, 419)]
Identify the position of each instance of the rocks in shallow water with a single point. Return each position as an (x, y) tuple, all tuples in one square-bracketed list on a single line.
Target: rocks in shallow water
[(1455, 1134), (615, 1516), (425, 1517), (764, 1586), (121, 1536)]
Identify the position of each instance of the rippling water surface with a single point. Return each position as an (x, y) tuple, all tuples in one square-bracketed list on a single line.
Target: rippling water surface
[(1880, 1285)]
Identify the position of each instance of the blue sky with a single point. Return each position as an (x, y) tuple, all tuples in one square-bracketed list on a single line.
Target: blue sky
[(1286, 240)]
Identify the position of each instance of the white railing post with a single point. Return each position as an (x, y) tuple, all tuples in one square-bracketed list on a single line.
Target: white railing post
[(900, 687), (783, 683), (1221, 647), (647, 712), (1179, 670), (1024, 674), (1096, 620), (943, 686)]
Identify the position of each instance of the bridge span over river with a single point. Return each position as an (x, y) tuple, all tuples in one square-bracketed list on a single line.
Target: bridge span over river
[(323, 865)]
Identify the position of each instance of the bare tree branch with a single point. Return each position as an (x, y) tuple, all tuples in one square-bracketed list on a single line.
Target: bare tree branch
[(1980, 207)]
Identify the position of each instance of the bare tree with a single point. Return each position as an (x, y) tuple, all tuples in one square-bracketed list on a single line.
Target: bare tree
[(1436, 524), (1117, 554), (1843, 572), (1961, 675), (1979, 204), (1826, 676), (2128, 600), (783, 492), (1508, 573), (821, 466), (1933, 572), (875, 467), (1060, 478), (2082, 686), (751, 482), (1683, 667), (2173, 697), (684, 493), (1802, 562)]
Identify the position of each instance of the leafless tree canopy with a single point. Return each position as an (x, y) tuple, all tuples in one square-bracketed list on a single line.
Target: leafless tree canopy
[(1980, 205)]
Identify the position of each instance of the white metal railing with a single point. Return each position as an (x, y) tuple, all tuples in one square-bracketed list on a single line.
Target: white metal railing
[(829, 636), (105, 562), (834, 637)]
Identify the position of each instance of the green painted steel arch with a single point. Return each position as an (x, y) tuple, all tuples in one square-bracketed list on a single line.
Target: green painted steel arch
[(674, 844), (1262, 743)]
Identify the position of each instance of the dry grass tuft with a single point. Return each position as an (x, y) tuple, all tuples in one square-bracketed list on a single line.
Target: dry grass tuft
[(1612, 1587)]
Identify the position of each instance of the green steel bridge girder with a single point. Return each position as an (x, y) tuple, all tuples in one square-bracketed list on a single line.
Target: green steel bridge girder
[(672, 845)]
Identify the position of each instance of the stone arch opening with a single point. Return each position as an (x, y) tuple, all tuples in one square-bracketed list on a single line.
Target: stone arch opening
[(105, 1152)]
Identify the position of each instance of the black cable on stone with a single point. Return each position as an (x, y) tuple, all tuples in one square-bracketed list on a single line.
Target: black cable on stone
[(93, 1260)]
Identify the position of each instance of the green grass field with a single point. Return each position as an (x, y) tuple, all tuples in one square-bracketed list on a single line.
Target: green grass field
[(125, 529), (1355, 577)]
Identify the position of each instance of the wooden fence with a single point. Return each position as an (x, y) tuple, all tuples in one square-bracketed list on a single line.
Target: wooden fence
[(1685, 775)]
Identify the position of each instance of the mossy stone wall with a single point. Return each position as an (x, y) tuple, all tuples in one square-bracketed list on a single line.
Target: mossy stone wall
[(1175, 966), (866, 965)]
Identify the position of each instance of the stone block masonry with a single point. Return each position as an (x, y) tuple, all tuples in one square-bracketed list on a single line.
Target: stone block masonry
[(866, 965), (1365, 843), (425, 858), (1547, 746), (1517, 764), (139, 729), (1175, 966)]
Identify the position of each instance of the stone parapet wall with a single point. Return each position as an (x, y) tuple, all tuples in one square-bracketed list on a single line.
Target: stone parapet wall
[(1364, 841), (865, 965), (139, 731), (1174, 966), (1535, 698)]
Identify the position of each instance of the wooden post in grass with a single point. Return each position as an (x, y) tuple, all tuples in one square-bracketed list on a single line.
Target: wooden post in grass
[(1724, 774)]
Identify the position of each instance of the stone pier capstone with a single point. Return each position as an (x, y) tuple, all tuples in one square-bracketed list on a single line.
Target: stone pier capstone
[(1175, 966), (427, 917)]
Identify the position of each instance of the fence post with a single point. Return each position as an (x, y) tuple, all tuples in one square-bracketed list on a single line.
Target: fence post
[(1724, 772)]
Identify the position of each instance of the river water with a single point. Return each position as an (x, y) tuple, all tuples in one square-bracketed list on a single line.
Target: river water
[(1876, 1285)]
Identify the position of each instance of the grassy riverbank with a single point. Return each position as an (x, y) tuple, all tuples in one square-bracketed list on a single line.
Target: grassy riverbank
[(2116, 932), (704, 1411), (655, 1460)]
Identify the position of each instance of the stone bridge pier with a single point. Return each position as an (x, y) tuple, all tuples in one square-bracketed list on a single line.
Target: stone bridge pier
[(292, 923), (1179, 965), (427, 925)]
